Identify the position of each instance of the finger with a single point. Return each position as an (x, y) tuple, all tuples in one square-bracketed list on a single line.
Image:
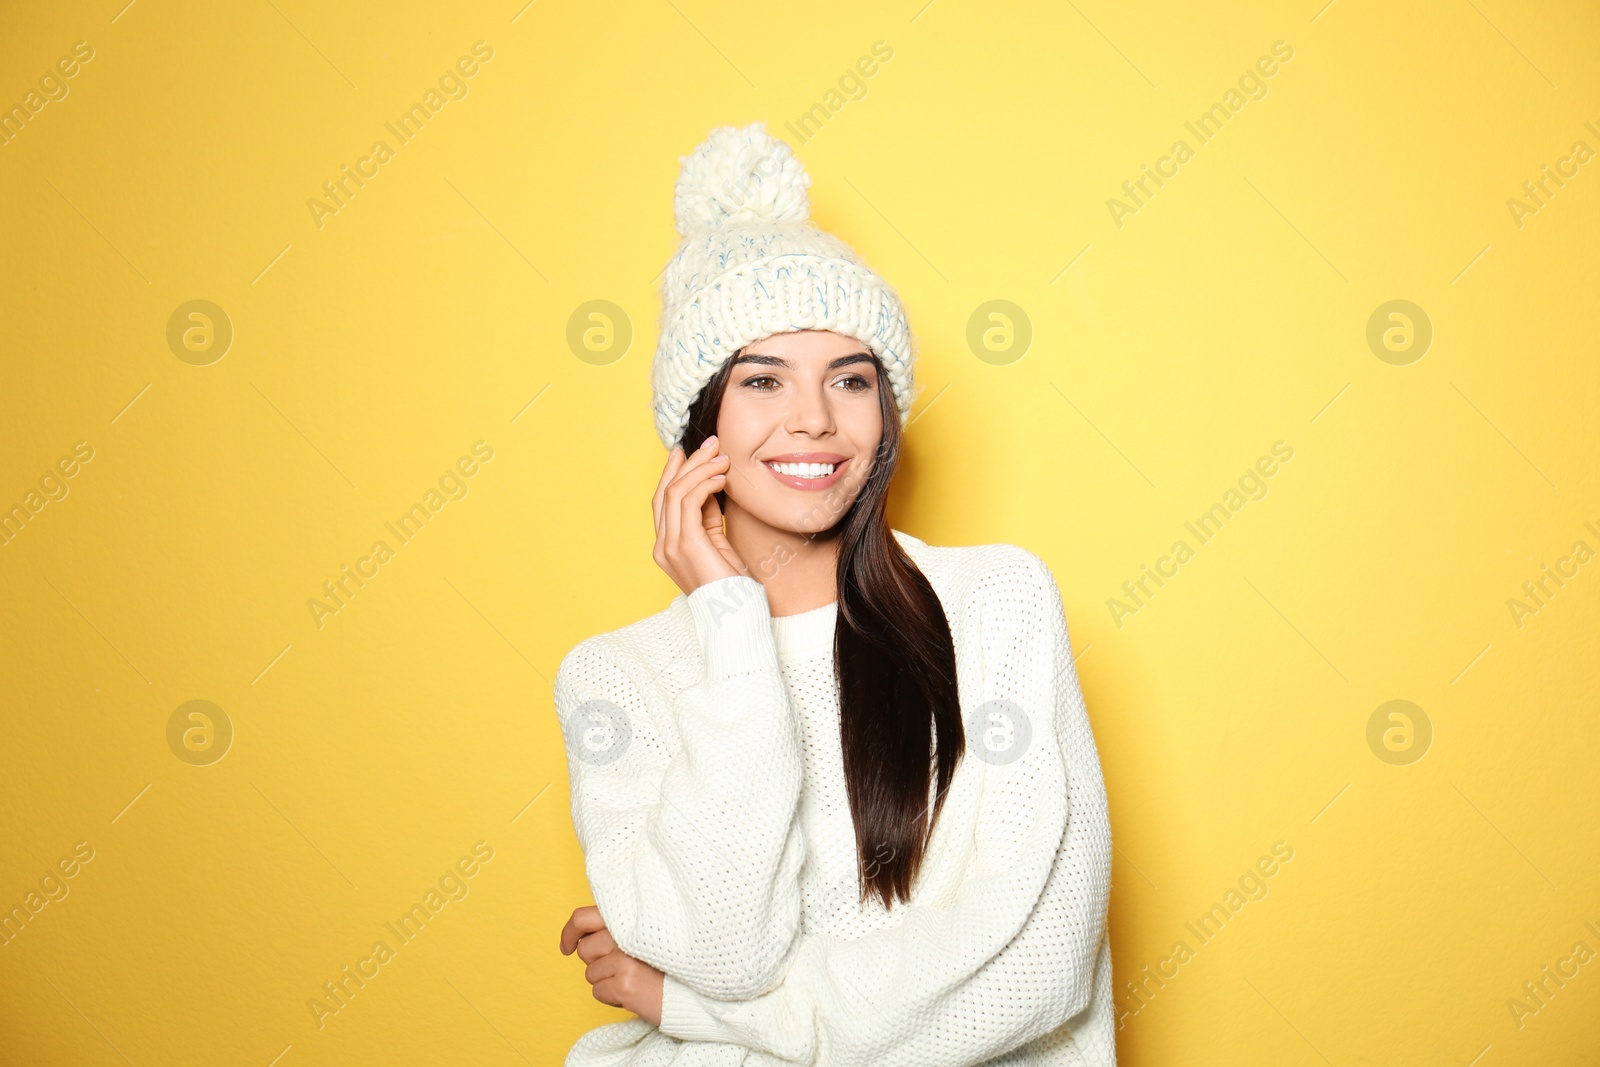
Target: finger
[(674, 461), (711, 511), (700, 496), (666, 523), (685, 506), (687, 473), (607, 966), (673, 465), (709, 449), (584, 921), (697, 460), (596, 945), (574, 935), (686, 499), (607, 992)]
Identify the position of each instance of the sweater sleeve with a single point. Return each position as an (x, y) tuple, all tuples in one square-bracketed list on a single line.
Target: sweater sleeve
[(691, 841), (1014, 956)]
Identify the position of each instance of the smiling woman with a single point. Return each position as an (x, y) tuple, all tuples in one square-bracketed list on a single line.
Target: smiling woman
[(847, 810), (828, 377)]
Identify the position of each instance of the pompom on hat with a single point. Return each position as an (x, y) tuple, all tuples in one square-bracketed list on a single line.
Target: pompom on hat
[(751, 264)]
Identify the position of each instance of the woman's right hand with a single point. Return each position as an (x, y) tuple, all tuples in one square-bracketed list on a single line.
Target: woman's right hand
[(690, 544)]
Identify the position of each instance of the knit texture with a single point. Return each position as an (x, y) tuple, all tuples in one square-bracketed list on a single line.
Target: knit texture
[(709, 797), (750, 265)]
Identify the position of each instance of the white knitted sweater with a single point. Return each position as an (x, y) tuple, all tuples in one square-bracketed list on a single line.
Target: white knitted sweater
[(709, 797)]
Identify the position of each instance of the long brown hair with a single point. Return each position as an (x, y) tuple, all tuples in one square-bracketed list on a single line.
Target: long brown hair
[(894, 663)]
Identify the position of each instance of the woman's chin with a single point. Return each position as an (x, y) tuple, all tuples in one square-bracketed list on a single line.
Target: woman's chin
[(802, 521)]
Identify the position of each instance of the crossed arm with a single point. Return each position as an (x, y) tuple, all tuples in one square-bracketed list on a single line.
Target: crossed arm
[(688, 825), (1012, 957)]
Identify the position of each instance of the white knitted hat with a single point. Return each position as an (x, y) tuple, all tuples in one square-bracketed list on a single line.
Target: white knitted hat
[(752, 265)]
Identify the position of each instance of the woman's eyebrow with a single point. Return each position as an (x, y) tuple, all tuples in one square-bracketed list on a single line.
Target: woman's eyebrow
[(779, 361)]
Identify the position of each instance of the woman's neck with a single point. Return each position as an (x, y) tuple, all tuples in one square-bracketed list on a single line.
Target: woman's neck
[(798, 570)]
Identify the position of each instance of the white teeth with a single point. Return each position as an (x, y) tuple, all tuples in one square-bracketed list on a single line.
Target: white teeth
[(803, 470)]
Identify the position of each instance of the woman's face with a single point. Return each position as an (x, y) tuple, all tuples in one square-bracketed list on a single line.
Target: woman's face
[(800, 424)]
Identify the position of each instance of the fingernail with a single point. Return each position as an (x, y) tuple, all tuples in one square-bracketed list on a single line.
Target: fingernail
[(707, 443)]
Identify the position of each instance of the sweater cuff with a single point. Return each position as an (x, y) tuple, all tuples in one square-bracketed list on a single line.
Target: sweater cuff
[(683, 1013), (734, 623)]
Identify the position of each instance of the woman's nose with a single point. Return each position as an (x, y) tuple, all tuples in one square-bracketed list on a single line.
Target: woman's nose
[(811, 412)]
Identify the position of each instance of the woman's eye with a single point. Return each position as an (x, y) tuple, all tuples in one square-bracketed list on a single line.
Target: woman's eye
[(766, 383)]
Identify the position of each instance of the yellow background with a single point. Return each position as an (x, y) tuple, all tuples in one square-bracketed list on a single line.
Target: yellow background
[(1229, 313)]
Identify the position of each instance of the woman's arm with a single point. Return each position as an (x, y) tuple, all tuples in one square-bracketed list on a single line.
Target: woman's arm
[(1015, 956), (693, 852)]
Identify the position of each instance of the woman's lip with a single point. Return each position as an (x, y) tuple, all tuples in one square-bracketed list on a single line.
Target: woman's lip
[(806, 457), (808, 485)]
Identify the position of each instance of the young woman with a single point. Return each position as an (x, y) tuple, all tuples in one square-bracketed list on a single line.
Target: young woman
[(840, 802)]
